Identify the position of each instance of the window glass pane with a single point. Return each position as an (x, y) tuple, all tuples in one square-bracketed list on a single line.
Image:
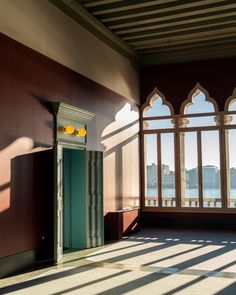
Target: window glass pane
[(231, 137), (168, 170), (157, 124), (156, 109), (189, 169), (232, 105), (211, 181), (199, 104), (151, 180), (233, 119)]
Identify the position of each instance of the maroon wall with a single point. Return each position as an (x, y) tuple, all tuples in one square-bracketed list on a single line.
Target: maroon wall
[(177, 80), (28, 82), (28, 223)]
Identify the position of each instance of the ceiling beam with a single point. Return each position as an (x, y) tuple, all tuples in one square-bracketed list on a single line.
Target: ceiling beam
[(213, 28), (177, 29), (185, 39), (158, 8), (199, 11), (182, 21), (129, 5), (191, 45)]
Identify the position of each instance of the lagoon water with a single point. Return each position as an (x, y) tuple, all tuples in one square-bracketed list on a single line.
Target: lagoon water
[(190, 193)]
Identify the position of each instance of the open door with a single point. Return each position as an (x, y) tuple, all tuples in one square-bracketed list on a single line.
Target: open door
[(82, 199)]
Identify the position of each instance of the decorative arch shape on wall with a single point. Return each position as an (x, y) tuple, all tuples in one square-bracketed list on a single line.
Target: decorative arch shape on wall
[(193, 94), (231, 100), (151, 99)]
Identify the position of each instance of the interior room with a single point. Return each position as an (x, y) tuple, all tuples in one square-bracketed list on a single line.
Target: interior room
[(117, 147)]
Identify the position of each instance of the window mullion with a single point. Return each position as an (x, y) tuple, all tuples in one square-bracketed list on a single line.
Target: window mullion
[(225, 172), (159, 170), (178, 188), (200, 187), (143, 171)]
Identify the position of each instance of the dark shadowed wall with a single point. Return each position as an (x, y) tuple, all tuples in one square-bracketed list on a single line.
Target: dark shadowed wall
[(177, 80)]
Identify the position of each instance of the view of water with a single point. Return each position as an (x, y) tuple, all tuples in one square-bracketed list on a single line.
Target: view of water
[(190, 193)]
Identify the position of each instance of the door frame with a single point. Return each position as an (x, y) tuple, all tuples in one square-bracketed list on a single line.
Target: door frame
[(65, 115)]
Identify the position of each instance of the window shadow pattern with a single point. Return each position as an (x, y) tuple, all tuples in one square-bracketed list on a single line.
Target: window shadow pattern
[(218, 245)]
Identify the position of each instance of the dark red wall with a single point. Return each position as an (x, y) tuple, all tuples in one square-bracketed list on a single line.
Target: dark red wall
[(177, 80), (28, 82), (28, 223)]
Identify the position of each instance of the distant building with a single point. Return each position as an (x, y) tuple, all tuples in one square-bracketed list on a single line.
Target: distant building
[(168, 180), (168, 176), (210, 176), (192, 176), (233, 177), (152, 175)]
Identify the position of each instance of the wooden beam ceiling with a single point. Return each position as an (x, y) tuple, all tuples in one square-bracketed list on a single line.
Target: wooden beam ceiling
[(164, 31)]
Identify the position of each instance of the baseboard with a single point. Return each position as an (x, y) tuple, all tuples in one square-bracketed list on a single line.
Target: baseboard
[(18, 262), (195, 220)]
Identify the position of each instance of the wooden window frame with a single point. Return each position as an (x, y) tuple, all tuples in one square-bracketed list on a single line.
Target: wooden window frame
[(220, 126)]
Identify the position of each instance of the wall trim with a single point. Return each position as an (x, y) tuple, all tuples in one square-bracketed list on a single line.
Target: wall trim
[(89, 22)]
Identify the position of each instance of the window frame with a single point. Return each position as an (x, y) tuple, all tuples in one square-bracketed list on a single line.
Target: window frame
[(220, 126)]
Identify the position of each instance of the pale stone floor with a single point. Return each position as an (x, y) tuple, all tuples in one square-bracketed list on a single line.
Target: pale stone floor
[(154, 261)]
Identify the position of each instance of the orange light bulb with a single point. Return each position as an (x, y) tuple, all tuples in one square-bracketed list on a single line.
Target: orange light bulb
[(81, 132), (69, 129)]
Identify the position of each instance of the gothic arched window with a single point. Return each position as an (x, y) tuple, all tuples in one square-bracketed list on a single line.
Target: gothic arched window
[(230, 144), (189, 159), (159, 152), (200, 169)]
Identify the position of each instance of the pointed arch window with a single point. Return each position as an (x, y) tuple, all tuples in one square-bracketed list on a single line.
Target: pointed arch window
[(199, 144), (199, 102), (157, 112), (230, 144), (159, 152), (189, 163)]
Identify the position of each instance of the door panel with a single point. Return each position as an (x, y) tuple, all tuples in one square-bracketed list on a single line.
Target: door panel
[(74, 199), (83, 199), (67, 243), (94, 197)]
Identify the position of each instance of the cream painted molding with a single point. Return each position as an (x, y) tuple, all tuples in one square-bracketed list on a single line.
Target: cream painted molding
[(64, 110), (86, 19)]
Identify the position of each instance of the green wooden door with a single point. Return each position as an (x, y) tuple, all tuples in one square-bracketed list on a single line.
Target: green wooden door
[(83, 199)]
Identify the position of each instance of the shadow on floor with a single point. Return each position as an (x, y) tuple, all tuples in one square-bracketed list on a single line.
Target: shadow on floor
[(158, 254)]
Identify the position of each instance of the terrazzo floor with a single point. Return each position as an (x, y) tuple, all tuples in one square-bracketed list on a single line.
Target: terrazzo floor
[(149, 262)]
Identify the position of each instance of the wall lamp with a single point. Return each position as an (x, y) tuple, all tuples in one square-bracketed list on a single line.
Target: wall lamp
[(69, 129)]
